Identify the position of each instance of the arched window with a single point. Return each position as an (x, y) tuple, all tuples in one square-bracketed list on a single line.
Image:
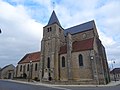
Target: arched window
[(28, 67), (20, 68), (63, 61), (36, 67), (48, 62), (80, 60)]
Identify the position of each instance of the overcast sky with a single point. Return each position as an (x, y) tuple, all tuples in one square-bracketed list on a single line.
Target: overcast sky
[(22, 22)]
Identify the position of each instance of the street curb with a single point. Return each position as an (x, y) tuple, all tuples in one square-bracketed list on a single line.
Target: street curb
[(53, 85)]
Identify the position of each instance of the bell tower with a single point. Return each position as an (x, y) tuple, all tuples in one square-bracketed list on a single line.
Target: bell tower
[(53, 38)]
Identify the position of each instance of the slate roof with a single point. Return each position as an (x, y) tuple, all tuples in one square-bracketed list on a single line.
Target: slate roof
[(79, 46), (53, 19), (115, 70), (75, 29), (7, 67), (34, 57), (80, 28)]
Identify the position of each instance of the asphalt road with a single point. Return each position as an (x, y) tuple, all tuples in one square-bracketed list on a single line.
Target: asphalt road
[(8, 85), (94, 88)]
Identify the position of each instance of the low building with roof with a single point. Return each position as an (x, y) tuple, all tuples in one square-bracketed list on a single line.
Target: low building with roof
[(115, 74), (7, 72), (28, 66)]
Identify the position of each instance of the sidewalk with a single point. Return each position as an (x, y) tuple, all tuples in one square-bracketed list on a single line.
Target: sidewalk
[(112, 83)]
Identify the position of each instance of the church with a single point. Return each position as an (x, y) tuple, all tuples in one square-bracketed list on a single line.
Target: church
[(74, 55)]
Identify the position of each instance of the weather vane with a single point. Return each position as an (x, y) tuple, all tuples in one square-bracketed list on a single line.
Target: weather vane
[(53, 5)]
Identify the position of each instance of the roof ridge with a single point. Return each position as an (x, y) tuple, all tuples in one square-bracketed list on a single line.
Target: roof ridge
[(80, 24), (34, 52), (33, 55), (80, 28)]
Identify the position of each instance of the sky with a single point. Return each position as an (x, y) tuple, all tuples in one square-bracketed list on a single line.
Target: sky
[(22, 22)]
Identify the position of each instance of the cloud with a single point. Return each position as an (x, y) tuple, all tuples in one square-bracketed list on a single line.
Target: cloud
[(20, 33), (109, 17)]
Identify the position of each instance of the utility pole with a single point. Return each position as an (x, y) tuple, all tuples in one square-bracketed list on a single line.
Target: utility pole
[(114, 72), (30, 72)]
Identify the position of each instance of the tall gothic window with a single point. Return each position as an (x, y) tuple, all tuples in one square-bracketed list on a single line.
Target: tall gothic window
[(80, 60), (20, 68), (48, 62), (28, 67), (63, 61), (36, 67)]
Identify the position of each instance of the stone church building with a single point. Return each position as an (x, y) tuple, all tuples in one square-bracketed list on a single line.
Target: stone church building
[(72, 56)]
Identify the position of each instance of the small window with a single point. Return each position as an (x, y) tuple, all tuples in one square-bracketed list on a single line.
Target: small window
[(80, 60), (20, 68), (48, 62), (63, 61), (84, 35), (36, 67), (48, 29), (28, 67)]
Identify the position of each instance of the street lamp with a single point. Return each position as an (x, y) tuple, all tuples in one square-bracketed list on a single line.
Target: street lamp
[(114, 72), (113, 69), (30, 72)]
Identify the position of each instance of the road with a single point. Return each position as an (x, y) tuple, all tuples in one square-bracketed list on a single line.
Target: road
[(8, 85), (94, 88)]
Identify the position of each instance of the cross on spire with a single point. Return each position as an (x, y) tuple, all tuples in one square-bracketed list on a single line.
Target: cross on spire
[(53, 5)]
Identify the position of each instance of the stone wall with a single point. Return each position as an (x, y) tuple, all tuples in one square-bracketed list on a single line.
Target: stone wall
[(78, 72), (83, 35), (31, 73)]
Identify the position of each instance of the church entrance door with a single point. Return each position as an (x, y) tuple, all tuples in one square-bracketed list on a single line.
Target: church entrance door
[(9, 75)]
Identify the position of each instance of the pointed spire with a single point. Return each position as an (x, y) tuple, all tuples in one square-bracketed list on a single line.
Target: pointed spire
[(53, 19)]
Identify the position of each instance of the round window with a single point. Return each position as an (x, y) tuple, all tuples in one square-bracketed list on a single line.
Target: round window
[(84, 35)]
